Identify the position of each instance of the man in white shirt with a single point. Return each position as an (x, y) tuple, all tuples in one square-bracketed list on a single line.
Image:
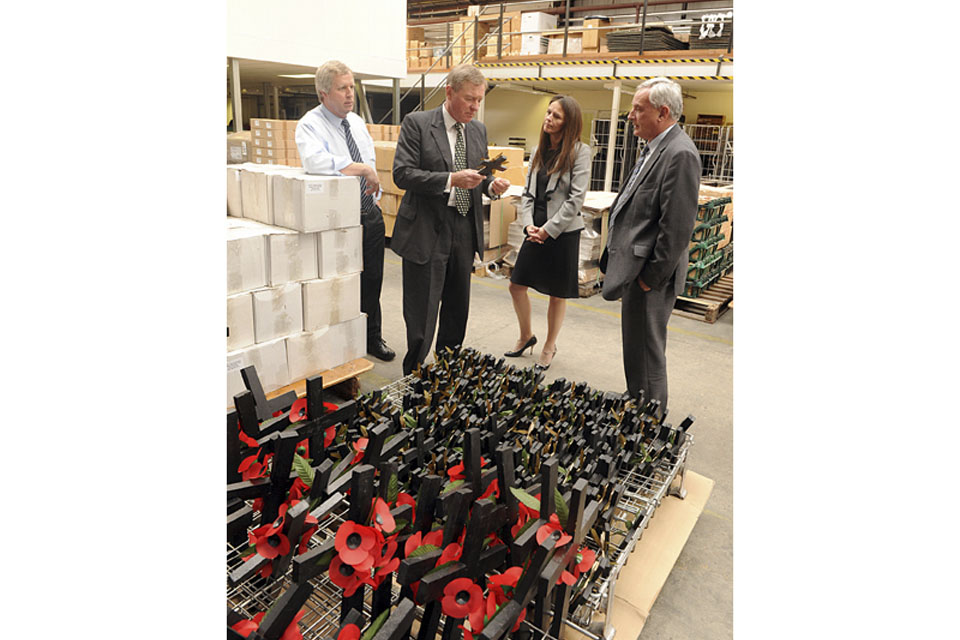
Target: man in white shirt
[(334, 141)]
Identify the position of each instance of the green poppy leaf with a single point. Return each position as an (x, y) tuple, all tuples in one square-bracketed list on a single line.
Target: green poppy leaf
[(525, 498), (303, 469), (423, 550), (375, 626)]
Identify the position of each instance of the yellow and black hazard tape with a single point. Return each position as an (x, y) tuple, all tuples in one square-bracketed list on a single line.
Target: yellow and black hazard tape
[(567, 63), (563, 78)]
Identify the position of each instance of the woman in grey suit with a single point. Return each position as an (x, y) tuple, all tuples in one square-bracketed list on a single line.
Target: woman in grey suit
[(550, 215)]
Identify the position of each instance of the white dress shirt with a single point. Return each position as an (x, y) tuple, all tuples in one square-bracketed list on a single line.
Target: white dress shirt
[(323, 144)]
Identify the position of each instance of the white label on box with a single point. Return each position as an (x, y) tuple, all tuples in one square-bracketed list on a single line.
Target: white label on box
[(318, 187), (236, 153)]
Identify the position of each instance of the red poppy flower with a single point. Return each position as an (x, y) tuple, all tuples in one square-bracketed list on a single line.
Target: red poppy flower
[(455, 472), (247, 440), (381, 516), (273, 545), (547, 530), (500, 582), (356, 544), (328, 436), (527, 511), (251, 469), (292, 632), (245, 627), (407, 499), (298, 489), (451, 553), (277, 414), (387, 550), (311, 525), (434, 538), (349, 632), (345, 576), (359, 446), (305, 443), (587, 558), (298, 410), (467, 635), (461, 597), (266, 570), (491, 488), (257, 505)]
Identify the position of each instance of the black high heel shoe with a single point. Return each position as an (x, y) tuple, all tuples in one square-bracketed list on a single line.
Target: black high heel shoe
[(519, 352)]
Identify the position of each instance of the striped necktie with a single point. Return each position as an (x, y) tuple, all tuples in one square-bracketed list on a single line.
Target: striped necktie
[(461, 196), (366, 201)]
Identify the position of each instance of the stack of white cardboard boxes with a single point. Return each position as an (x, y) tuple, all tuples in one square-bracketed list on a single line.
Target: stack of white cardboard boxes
[(294, 256), (532, 24)]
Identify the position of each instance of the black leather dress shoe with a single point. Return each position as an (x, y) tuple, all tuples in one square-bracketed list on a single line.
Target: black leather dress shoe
[(379, 349)]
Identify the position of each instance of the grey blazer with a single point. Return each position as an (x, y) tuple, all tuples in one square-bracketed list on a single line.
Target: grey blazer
[(420, 166), (650, 236), (566, 191)]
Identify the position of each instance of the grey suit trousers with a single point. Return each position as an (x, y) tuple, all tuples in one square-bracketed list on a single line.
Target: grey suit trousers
[(446, 277), (643, 324)]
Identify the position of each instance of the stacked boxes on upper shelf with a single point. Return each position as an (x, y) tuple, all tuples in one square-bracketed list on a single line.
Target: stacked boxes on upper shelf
[(533, 24), (711, 250), (293, 283), (273, 142)]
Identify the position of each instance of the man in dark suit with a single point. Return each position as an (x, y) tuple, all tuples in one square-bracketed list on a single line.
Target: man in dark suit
[(440, 220), (651, 222)]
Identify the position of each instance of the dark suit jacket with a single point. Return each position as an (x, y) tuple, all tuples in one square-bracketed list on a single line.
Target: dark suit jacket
[(420, 166), (650, 236)]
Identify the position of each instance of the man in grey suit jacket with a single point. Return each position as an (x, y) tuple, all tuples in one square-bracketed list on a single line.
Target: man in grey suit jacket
[(440, 220), (651, 222)]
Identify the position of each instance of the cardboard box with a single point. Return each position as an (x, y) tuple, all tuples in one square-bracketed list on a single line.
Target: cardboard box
[(516, 44), (315, 203), (387, 183), (502, 213), (328, 301), (256, 190), (389, 203), (593, 35), (532, 44), (291, 256), (555, 44), (234, 192), (270, 361), (415, 33), (273, 143), (238, 147), (536, 21), (279, 154), (239, 321), (277, 312), (267, 123), (389, 222), (385, 152), (317, 351), (340, 251), (273, 134), (246, 260)]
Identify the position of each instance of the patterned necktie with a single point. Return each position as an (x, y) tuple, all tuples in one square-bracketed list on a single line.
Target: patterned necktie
[(633, 179), (366, 201), (461, 196)]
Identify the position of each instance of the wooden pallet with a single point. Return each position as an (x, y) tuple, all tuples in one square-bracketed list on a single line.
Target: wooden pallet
[(340, 380), (712, 303)]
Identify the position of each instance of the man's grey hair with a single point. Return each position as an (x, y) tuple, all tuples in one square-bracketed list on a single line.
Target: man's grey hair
[(664, 92), (464, 73), (326, 73)]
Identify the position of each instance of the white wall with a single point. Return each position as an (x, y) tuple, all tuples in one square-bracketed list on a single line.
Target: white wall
[(369, 36)]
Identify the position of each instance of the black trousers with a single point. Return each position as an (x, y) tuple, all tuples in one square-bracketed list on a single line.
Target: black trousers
[(441, 287), (371, 280)]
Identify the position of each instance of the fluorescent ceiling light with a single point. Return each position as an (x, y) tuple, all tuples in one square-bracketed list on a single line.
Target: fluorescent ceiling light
[(296, 75)]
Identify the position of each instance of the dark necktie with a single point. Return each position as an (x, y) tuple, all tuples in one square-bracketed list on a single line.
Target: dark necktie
[(624, 193), (461, 196), (366, 201)]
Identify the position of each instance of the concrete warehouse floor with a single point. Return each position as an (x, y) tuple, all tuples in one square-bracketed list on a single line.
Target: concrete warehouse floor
[(697, 599)]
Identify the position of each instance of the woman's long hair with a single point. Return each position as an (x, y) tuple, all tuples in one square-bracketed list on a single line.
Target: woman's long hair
[(570, 135)]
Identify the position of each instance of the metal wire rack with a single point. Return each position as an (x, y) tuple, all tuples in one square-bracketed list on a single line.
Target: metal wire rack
[(632, 514)]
